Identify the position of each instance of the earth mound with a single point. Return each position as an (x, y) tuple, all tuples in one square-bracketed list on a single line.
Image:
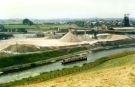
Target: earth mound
[(69, 37), (22, 48)]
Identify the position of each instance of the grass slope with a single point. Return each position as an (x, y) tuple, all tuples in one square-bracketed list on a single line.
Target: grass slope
[(129, 59), (122, 76)]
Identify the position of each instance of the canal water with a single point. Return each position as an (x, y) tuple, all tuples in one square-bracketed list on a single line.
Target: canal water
[(55, 66)]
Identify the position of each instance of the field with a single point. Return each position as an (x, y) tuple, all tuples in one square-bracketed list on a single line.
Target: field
[(97, 71), (40, 26)]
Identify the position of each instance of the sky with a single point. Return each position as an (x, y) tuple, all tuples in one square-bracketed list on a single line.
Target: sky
[(53, 9)]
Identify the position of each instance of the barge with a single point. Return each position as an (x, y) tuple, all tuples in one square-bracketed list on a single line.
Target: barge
[(74, 59)]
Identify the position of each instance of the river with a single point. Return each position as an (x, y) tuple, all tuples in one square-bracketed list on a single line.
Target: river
[(57, 65)]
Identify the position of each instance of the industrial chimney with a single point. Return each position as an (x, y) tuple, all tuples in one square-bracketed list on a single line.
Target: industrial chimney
[(126, 20)]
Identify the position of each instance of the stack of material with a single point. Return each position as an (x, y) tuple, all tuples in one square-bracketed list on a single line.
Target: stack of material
[(85, 37), (22, 48), (104, 36), (69, 37), (119, 37)]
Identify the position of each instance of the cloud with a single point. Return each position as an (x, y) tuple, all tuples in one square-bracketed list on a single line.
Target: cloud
[(44, 9)]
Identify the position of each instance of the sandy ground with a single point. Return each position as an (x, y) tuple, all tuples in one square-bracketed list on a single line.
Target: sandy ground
[(113, 77), (33, 41), (52, 42)]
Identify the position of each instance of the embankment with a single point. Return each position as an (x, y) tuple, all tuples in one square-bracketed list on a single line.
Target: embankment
[(123, 58), (21, 61)]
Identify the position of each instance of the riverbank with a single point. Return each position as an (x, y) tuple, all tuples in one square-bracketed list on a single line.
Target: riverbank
[(120, 59), (120, 76), (22, 61), (12, 63)]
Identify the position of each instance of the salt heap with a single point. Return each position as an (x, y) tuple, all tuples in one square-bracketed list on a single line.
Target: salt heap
[(69, 37)]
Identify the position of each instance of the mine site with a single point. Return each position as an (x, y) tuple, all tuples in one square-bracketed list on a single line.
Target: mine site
[(50, 49)]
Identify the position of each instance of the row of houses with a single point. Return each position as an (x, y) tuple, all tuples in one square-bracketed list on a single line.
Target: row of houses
[(14, 30)]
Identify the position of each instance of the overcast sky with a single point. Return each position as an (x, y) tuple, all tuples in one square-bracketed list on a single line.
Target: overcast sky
[(49, 9)]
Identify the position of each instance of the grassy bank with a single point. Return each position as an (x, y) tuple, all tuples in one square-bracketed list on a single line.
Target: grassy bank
[(105, 62), (11, 60)]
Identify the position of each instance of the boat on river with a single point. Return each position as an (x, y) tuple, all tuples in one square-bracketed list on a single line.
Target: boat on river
[(74, 59)]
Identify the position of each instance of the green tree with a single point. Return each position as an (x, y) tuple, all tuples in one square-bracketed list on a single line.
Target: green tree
[(27, 22), (80, 23)]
